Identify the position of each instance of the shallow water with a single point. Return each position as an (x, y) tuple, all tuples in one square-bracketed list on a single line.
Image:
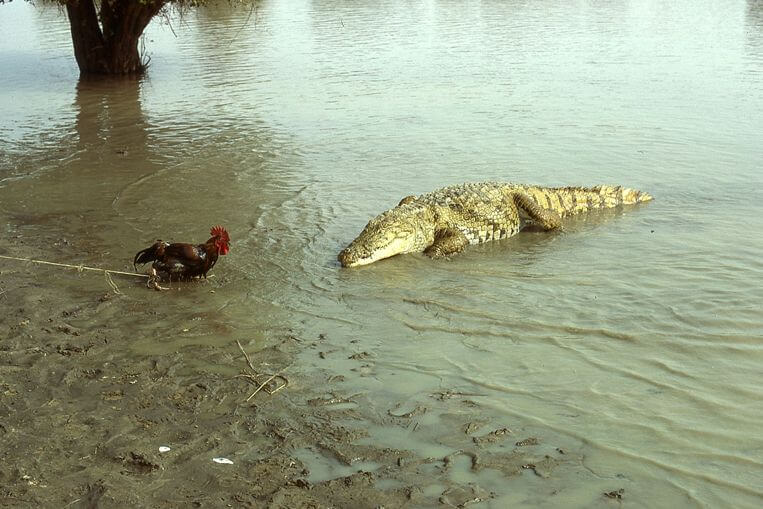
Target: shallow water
[(635, 336)]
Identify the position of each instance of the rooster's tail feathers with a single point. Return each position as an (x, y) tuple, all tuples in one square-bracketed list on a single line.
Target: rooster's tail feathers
[(144, 256)]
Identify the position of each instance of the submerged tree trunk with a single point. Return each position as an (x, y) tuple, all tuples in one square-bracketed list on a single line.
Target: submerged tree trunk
[(111, 45)]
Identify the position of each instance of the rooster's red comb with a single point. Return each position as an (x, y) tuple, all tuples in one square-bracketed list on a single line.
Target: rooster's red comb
[(219, 231)]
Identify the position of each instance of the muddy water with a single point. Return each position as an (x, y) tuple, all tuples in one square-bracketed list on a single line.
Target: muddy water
[(634, 338)]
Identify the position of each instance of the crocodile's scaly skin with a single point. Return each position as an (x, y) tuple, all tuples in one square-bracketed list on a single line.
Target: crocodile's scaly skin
[(445, 221)]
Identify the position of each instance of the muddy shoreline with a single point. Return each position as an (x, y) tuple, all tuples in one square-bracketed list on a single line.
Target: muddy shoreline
[(83, 416)]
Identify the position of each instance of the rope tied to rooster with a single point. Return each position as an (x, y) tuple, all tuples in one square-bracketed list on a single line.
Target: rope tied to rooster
[(81, 268)]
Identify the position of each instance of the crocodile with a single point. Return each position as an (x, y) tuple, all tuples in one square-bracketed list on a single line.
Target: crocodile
[(445, 221)]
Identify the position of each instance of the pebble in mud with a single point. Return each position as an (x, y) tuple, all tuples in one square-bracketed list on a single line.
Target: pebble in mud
[(462, 496), (528, 441), (616, 494), (492, 437)]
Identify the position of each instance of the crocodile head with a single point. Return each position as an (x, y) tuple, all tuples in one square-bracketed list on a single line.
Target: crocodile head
[(391, 233)]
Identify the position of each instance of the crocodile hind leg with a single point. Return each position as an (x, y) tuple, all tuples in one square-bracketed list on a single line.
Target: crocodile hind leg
[(446, 243), (544, 218)]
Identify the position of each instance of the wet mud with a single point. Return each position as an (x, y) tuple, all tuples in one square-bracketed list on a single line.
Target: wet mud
[(87, 421)]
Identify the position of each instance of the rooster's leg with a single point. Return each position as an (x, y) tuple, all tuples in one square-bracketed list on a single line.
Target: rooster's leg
[(153, 281)]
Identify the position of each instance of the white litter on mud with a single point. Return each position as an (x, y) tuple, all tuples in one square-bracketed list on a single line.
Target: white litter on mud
[(224, 461), (163, 448)]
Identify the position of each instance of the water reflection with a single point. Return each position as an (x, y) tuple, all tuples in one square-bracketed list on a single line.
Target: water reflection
[(754, 29), (109, 116)]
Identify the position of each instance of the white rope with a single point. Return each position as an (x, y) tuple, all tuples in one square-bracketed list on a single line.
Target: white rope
[(80, 268)]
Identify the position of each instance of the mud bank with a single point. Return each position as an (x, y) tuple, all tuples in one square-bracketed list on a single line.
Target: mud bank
[(83, 415)]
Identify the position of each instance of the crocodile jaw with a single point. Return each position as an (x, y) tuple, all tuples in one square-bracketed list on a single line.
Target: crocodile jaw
[(357, 253), (389, 234)]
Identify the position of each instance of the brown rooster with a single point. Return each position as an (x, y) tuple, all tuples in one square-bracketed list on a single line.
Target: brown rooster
[(179, 261)]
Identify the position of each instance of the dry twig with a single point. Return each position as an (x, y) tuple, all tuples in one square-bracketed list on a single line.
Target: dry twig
[(254, 376), (246, 355)]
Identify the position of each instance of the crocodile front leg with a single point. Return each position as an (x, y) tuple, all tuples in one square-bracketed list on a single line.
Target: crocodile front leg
[(447, 242), (545, 218), (407, 200)]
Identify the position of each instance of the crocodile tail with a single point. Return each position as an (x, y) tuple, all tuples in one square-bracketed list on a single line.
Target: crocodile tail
[(600, 197), (625, 195)]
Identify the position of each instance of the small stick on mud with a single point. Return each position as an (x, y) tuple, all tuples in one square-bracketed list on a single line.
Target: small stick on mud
[(246, 355), (263, 384), (255, 375)]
